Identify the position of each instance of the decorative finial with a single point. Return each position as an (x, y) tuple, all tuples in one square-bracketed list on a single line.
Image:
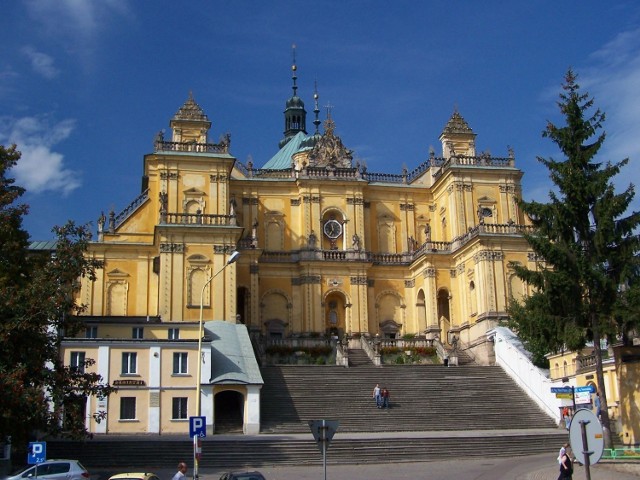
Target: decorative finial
[(293, 70), (316, 110), (328, 106)]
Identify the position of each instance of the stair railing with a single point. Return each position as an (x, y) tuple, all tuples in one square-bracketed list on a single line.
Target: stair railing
[(464, 347), (440, 350), (515, 360), (342, 354), (372, 349)]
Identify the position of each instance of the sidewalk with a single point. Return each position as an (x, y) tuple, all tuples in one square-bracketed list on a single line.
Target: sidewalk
[(535, 467), (601, 471)]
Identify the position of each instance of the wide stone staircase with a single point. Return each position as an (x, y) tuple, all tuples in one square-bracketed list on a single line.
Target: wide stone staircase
[(436, 413), (423, 398)]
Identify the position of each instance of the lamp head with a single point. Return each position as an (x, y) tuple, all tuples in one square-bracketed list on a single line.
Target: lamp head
[(233, 257)]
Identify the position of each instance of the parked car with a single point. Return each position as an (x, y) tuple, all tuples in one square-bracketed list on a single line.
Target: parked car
[(58, 469), (242, 476), (134, 476)]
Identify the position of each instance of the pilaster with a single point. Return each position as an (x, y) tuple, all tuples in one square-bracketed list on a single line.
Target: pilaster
[(102, 404), (155, 354), (431, 298), (256, 320), (252, 416)]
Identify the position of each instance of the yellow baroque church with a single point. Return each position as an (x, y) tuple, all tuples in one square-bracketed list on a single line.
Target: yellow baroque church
[(327, 248)]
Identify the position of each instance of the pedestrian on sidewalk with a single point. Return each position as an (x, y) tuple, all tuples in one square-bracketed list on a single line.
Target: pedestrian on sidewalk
[(563, 450), (376, 395), (181, 473), (566, 467), (566, 416), (597, 403)]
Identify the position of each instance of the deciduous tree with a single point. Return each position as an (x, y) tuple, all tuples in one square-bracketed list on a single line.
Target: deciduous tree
[(37, 308)]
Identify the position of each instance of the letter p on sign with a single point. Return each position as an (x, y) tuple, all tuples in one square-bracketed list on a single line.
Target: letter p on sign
[(197, 427)]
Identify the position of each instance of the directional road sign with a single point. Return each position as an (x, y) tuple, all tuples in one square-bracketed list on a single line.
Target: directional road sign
[(564, 396), (561, 390), (197, 427), (37, 452), (588, 388)]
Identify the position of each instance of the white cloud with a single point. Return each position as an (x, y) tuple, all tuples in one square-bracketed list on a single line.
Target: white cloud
[(40, 62), (613, 79), (40, 169), (74, 17)]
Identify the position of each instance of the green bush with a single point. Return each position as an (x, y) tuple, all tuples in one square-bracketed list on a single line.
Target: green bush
[(285, 355)]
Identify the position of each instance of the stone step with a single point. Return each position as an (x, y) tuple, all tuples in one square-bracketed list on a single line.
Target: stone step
[(423, 397), (237, 452)]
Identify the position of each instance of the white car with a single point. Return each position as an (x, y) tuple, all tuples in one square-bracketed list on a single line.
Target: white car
[(53, 470)]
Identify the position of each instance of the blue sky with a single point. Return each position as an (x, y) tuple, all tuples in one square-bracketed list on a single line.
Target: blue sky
[(86, 84)]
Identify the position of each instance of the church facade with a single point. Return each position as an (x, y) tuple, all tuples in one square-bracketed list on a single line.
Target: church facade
[(326, 248)]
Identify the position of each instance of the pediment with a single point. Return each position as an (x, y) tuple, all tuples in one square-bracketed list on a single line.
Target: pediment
[(116, 272), (194, 192), (197, 258)]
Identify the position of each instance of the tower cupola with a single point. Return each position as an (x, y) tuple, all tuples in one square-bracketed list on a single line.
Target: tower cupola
[(457, 137), (295, 116), (190, 124)]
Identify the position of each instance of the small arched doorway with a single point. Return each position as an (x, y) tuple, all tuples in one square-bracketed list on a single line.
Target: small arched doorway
[(335, 314), (229, 412), (444, 317)]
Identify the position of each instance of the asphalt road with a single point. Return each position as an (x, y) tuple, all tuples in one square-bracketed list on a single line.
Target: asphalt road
[(536, 467)]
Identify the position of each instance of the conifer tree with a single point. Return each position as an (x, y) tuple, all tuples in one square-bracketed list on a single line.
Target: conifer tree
[(586, 248), (39, 393)]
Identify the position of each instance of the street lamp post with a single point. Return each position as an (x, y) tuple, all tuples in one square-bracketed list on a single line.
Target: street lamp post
[(232, 258)]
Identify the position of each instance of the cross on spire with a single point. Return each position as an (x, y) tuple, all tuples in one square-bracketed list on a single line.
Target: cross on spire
[(329, 107)]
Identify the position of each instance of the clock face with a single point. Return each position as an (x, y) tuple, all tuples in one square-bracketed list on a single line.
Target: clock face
[(332, 229)]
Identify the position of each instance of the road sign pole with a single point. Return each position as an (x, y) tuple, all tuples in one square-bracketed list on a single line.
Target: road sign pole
[(195, 458), (323, 436), (585, 449)]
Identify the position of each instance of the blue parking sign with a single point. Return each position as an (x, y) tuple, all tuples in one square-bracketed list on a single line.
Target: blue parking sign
[(37, 453), (197, 427)]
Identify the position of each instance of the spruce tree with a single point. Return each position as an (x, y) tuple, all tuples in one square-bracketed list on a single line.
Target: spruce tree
[(586, 249)]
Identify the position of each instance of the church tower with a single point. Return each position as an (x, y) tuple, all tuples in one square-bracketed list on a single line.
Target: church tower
[(457, 137), (190, 124), (295, 116)]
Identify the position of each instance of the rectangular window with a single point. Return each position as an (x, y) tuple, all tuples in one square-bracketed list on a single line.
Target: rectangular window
[(91, 332), (137, 332), (77, 361), (129, 362), (180, 362), (179, 408), (128, 408), (174, 334)]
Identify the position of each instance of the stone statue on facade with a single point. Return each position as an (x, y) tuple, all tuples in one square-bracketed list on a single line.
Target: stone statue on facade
[(112, 221), (159, 140), (355, 242), (254, 234), (313, 240), (102, 219)]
